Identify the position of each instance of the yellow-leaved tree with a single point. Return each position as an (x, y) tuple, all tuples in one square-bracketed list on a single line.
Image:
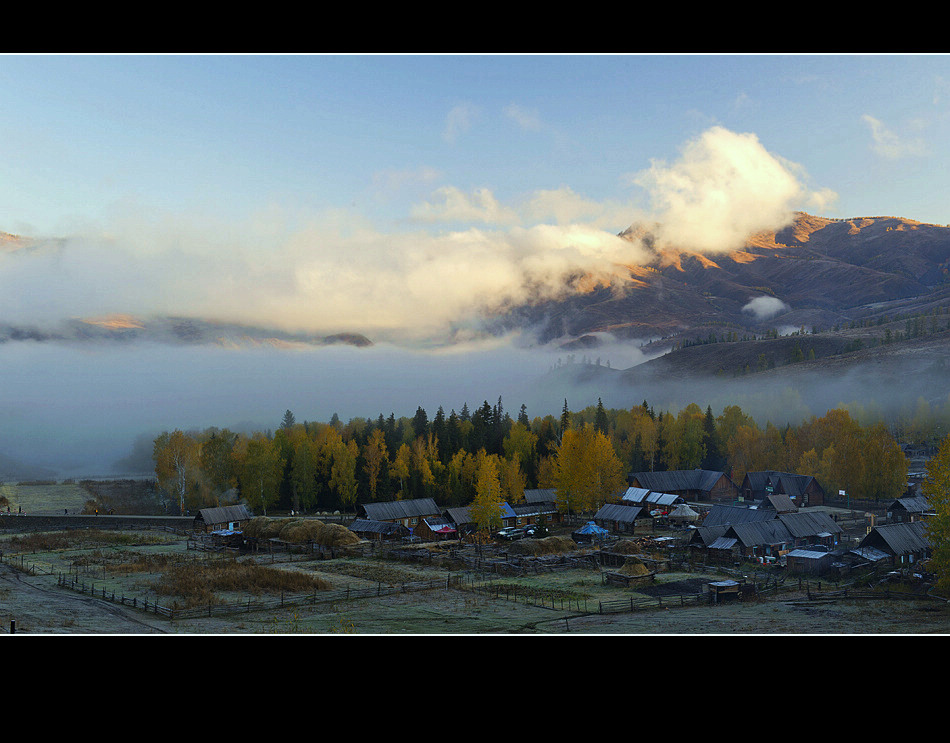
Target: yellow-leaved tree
[(586, 471), (936, 488), (486, 508), (177, 467)]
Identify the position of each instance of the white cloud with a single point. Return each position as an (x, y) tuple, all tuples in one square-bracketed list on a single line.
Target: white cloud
[(764, 308), (725, 187), (523, 117), (454, 205), (459, 120), (888, 144), (337, 271)]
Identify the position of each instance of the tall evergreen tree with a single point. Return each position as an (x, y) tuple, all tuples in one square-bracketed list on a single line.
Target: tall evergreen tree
[(601, 423)]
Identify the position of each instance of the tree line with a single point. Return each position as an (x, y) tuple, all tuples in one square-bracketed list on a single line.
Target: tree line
[(486, 456)]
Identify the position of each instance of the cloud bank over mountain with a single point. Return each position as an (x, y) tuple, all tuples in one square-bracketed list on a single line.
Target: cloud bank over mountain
[(428, 278)]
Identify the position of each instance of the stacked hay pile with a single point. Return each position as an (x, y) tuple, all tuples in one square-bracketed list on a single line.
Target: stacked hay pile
[(300, 531), (626, 547), (545, 546), (633, 566)]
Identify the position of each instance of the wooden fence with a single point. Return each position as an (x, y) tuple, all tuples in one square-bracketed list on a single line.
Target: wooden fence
[(651, 602), (251, 605)]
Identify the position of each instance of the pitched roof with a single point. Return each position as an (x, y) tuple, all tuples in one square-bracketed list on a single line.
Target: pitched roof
[(912, 504), (810, 524), (540, 495), (363, 526), (899, 539), (620, 513), (223, 514), (785, 528), (460, 515), (722, 514), (645, 495), (761, 533), (401, 509), (780, 503), (678, 480), (707, 535), (782, 482)]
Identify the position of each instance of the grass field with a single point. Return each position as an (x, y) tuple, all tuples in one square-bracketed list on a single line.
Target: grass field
[(44, 499)]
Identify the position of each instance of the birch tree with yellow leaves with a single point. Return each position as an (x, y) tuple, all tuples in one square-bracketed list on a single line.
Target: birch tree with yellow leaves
[(587, 470)]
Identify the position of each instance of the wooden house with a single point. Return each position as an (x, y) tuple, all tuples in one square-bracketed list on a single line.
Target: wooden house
[(906, 509), (725, 514), (905, 543), (646, 498), (409, 513), (218, 518), (802, 490), (546, 497), (692, 485), (767, 540), (621, 518), (378, 530)]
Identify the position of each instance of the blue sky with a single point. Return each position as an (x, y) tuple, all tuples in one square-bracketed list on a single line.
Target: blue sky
[(399, 195), (233, 135)]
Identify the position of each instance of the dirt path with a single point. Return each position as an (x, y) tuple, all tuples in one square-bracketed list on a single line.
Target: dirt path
[(36, 608)]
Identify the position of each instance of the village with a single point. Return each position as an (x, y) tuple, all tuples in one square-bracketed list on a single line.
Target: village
[(774, 520), (674, 540)]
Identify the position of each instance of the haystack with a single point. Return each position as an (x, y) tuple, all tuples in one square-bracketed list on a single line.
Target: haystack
[(626, 547), (300, 531), (256, 526), (545, 546), (633, 566), (335, 535)]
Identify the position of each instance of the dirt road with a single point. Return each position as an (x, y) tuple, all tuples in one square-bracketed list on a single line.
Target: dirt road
[(29, 605)]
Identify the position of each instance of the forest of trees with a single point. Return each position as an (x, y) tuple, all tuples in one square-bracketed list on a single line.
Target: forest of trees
[(485, 456)]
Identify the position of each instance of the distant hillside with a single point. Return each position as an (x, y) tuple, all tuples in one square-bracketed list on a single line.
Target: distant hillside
[(818, 272), (172, 330)]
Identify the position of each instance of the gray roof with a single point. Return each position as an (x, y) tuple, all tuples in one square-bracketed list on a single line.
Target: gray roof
[(761, 533), (620, 513), (912, 504), (363, 526), (722, 514), (645, 495), (899, 539), (786, 528), (540, 495), (707, 535), (224, 514), (779, 502), (460, 515), (671, 481), (810, 523), (401, 509), (782, 482)]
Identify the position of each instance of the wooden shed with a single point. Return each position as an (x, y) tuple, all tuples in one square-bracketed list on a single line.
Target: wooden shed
[(620, 518), (803, 561), (222, 517), (378, 530)]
